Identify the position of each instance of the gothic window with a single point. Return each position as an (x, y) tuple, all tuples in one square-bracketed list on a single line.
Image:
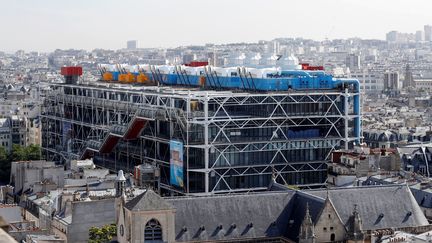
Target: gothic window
[(153, 231)]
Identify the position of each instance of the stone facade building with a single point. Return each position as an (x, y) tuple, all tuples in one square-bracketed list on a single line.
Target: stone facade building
[(280, 215)]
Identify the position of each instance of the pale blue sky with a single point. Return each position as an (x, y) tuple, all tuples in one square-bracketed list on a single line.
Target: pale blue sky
[(44, 25)]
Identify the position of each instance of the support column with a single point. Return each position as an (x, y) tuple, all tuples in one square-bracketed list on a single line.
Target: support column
[(188, 110), (206, 145), (346, 117)]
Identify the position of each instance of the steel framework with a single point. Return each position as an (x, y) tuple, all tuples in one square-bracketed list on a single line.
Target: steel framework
[(233, 140)]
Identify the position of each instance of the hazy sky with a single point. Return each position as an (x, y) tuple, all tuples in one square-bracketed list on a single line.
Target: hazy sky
[(44, 25)]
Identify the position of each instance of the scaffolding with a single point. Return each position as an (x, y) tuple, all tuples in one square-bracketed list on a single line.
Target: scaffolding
[(234, 140)]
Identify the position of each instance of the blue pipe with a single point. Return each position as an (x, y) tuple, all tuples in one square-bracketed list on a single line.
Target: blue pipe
[(297, 73), (357, 110)]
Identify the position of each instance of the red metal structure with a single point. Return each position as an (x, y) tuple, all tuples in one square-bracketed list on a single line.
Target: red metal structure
[(306, 66), (71, 71), (71, 74), (131, 132), (196, 64)]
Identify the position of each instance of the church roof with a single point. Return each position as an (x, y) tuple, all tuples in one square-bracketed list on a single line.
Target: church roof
[(280, 213), (148, 201), (298, 211), (232, 216), (379, 207)]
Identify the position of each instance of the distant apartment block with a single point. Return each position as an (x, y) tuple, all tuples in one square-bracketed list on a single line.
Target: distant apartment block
[(391, 80), (5, 134), (132, 44), (428, 32), (353, 61), (370, 80), (423, 83)]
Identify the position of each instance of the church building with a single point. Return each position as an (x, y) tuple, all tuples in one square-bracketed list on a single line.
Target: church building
[(278, 215)]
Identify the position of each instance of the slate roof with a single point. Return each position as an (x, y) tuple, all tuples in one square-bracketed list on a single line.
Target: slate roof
[(423, 197), (299, 210), (280, 213), (274, 186), (232, 216), (148, 201), (390, 206)]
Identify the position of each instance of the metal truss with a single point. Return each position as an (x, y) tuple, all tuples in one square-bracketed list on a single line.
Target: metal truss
[(214, 122)]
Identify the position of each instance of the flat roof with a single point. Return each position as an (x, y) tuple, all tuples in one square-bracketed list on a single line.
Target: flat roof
[(194, 92)]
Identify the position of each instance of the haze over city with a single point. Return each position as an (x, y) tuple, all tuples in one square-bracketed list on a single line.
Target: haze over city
[(49, 24)]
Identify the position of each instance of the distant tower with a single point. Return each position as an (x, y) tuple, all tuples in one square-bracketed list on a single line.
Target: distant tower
[(419, 36), (132, 44), (408, 80), (353, 61), (428, 32), (307, 231), (392, 36), (391, 81), (120, 184)]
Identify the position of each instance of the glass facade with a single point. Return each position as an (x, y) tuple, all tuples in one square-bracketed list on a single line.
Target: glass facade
[(233, 141)]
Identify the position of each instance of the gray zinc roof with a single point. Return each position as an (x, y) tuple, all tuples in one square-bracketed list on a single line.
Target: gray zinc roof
[(379, 207), (232, 216), (299, 211), (148, 201)]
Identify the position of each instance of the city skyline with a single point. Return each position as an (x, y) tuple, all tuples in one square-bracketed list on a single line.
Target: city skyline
[(216, 121), (48, 25)]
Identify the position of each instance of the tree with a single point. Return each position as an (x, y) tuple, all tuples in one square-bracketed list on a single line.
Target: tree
[(18, 153), (5, 165), (3, 154), (103, 234), (33, 152)]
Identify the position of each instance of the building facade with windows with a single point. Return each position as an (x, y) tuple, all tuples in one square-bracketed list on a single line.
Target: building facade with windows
[(424, 83), (204, 140), (6, 134), (371, 81)]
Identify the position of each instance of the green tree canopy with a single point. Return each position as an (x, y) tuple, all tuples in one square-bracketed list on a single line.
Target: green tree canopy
[(103, 234), (18, 153), (3, 154), (33, 152), (4, 165)]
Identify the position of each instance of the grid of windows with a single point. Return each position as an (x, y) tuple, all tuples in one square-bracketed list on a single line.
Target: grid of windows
[(230, 140)]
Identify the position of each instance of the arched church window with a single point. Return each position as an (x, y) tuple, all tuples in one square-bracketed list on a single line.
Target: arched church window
[(153, 231)]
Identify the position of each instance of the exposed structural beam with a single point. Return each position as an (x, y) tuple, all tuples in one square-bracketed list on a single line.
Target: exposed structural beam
[(230, 138)]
